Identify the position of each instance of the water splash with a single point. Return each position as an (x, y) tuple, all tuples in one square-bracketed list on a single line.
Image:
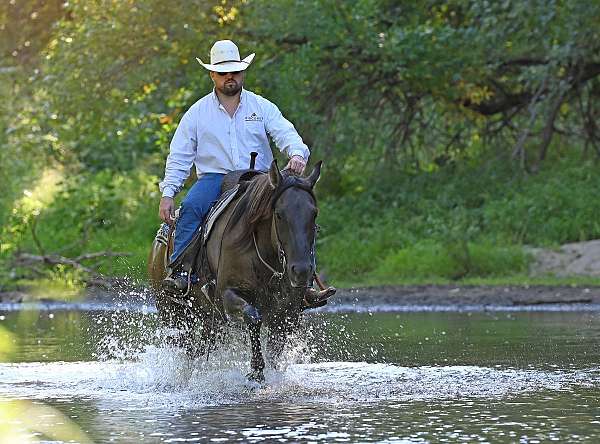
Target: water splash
[(163, 378)]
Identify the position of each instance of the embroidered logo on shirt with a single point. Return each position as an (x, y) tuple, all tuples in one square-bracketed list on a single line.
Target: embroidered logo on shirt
[(253, 118)]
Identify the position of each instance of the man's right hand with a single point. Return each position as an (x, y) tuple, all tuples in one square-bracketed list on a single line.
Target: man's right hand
[(166, 210)]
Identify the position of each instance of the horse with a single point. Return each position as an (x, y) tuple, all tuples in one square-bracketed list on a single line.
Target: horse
[(257, 267)]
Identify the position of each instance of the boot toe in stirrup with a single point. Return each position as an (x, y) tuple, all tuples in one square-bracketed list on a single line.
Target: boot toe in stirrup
[(175, 284)]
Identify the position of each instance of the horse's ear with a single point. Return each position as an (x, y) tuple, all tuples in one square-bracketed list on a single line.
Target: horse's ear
[(315, 174), (274, 174)]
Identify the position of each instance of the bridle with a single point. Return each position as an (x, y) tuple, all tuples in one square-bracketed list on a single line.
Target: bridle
[(282, 257)]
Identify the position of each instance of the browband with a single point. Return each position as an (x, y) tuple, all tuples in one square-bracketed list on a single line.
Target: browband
[(291, 184)]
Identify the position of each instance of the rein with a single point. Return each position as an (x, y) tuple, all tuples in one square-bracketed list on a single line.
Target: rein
[(276, 274)]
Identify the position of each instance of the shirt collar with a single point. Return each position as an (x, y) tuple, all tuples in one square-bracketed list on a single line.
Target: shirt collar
[(216, 98)]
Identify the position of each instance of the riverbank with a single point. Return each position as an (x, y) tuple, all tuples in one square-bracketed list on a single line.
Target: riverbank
[(393, 295), (468, 295)]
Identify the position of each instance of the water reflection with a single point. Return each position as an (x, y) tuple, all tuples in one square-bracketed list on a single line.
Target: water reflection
[(515, 419)]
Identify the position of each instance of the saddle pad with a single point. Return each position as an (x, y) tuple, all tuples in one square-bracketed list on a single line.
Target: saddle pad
[(162, 235), (164, 231), (217, 209)]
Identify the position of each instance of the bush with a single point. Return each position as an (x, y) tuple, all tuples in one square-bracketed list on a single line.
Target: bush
[(431, 260), (455, 223), (557, 206), (90, 213), (463, 221)]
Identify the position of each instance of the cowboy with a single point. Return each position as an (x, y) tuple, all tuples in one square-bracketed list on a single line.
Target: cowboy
[(217, 135)]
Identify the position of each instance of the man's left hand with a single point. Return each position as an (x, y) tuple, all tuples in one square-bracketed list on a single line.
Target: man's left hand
[(296, 164)]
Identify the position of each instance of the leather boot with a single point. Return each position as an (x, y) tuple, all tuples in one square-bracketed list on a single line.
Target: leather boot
[(315, 298), (176, 282)]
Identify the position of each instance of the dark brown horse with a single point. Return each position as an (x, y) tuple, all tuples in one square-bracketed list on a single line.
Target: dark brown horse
[(258, 266)]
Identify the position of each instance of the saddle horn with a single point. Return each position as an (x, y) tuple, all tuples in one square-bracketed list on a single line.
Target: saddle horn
[(253, 155)]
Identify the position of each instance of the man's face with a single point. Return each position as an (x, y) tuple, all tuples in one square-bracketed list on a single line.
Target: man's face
[(228, 83)]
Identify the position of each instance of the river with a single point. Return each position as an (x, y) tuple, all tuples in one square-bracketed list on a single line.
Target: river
[(528, 376)]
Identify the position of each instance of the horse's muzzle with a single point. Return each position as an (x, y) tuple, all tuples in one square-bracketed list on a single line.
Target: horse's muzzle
[(300, 274)]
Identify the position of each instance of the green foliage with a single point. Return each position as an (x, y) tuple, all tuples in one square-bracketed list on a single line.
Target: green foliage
[(120, 73), (25, 27), (457, 223), (372, 85), (116, 212), (414, 85), (428, 259), (559, 205), (430, 117), (90, 213)]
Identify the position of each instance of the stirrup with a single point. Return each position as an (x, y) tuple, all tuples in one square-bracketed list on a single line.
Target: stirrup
[(177, 282), (174, 285), (314, 298)]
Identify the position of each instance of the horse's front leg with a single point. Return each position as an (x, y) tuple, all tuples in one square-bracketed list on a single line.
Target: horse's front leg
[(237, 308), (257, 363)]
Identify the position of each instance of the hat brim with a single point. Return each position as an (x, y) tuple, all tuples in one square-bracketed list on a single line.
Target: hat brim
[(229, 66)]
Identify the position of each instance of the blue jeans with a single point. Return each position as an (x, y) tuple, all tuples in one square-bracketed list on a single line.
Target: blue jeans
[(194, 209)]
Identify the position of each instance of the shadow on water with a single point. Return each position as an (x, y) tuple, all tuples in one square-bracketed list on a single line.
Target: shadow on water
[(348, 377)]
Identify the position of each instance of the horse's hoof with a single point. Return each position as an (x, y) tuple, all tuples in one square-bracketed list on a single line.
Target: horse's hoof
[(256, 376)]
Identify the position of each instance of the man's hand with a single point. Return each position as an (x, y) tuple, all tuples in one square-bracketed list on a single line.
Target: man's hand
[(296, 164), (166, 210)]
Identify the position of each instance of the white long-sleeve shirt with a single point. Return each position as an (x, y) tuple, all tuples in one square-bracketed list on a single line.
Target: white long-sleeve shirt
[(215, 142)]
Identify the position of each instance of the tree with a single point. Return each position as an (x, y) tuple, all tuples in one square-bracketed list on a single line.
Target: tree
[(416, 82)]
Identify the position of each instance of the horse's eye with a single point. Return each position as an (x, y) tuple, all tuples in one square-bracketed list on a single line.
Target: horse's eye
[(278, 216)]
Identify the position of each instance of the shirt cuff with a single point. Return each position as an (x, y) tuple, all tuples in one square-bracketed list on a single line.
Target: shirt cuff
[(298, 153), (168, 192)]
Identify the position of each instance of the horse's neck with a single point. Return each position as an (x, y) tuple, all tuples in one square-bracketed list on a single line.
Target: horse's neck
[(266, 240)]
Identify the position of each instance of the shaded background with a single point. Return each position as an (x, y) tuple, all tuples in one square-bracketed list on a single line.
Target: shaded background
[(453, 132)]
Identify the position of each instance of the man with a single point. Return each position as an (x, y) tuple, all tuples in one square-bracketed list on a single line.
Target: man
[(217, 135)]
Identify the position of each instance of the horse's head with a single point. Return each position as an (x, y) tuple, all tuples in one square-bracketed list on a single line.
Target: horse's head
[(294, 212)]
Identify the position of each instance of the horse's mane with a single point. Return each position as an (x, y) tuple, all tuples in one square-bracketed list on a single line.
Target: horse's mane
[(256, 205)]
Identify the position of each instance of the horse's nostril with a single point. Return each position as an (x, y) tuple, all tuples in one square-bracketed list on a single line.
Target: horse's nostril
[(300, 269)]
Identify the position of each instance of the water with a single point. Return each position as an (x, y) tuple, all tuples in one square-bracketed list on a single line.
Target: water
[(379, 377)]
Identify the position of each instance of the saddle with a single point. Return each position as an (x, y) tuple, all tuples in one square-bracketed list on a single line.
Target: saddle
[(234, 184), (238, 177)]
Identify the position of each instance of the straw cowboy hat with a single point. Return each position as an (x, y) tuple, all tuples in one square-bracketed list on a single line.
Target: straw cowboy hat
[(225, 57)]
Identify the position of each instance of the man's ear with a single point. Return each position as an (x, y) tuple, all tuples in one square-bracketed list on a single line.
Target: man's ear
[(315, 174), (274, 174)]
